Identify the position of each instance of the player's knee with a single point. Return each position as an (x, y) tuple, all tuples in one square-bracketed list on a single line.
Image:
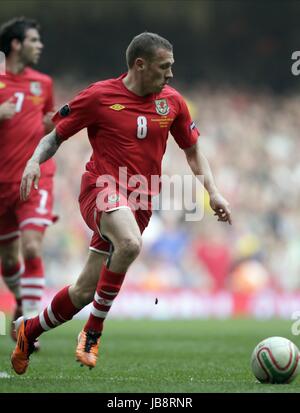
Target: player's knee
[(129, 248)]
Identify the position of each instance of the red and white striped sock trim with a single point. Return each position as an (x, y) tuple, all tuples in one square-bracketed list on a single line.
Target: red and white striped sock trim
[(59, 311), (108, 287), (32, 288), (49, 320), (102, 303)]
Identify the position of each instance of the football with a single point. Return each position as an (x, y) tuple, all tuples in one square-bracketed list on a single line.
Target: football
[(275, 360)]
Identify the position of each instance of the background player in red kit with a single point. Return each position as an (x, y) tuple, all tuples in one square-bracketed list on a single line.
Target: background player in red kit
[(128, 121), (26, 108)]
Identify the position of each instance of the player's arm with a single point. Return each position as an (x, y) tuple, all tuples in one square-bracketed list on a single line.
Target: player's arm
[(7, 109), (70, 119), (200, 166), (47, 121), (44, 151)]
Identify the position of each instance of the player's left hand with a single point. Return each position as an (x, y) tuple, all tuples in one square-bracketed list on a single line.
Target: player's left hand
[(221, 207), (47, 121), (31, 175)]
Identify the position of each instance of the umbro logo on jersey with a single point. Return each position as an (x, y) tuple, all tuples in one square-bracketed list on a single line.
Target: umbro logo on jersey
[(117, 107)]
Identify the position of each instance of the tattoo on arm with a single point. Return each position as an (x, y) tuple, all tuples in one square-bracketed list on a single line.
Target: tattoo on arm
[(47, 147)]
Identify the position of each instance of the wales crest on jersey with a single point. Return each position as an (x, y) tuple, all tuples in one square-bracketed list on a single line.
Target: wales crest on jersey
[(36, 88), (161, 106)]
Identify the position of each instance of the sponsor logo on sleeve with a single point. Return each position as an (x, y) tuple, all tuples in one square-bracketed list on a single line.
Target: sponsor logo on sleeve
[(192, 126)]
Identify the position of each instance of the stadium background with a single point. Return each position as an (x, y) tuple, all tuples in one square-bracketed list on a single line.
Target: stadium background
[(233, 65)]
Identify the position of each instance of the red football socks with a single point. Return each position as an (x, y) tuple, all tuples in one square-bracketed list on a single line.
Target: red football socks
[(32, 286), (58, 312), (108, 286)]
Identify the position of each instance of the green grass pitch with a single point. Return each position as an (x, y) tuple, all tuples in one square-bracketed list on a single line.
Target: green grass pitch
[(187, 356)]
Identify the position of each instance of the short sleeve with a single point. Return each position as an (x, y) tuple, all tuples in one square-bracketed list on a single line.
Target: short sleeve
[(49, 102), (183, 128), (77, 114)]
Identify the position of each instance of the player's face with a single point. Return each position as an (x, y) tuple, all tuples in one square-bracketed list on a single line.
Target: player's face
[(158, 71), (31, 47)]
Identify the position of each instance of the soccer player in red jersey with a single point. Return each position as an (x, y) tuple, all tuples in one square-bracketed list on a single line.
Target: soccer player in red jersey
[(26, 109), (128, 120)]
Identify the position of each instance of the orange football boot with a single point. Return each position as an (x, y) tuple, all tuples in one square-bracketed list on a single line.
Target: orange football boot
[(23, 349), (87, 348)]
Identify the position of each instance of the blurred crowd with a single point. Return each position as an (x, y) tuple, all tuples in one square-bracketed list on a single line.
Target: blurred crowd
[(251, 139)]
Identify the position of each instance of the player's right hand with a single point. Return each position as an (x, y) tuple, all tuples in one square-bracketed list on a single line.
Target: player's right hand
[(31, 174), (7, 109)]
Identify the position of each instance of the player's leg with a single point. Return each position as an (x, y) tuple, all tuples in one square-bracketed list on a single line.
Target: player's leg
[(83, 291), (121, 228), (11, 270), (34, 216), (11, 266), (33, 279), (68, 301), (65, 304)]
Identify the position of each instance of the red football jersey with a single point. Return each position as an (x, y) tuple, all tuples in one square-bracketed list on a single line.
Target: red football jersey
[(126, 130), (19, 136)]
